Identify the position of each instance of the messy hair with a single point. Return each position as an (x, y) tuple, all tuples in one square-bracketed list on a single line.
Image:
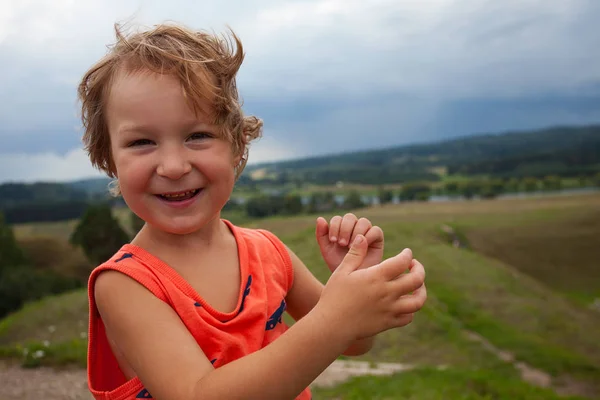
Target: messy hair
[(206, 66)]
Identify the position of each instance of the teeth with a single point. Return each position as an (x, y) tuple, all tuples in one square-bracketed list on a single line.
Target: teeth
[(178, 195)]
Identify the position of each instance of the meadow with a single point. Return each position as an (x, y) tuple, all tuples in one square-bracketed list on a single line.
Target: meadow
[(510, 315)]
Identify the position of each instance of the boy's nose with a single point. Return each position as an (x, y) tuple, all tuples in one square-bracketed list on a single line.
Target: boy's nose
[(173, 165)]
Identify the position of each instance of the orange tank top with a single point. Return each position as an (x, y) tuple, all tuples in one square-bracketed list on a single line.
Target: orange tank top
[(267, 275)]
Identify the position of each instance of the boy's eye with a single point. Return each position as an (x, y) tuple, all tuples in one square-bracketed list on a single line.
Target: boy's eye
[(199, 136), (139, 142)]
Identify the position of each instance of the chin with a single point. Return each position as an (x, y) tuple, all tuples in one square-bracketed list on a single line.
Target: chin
[(179, 230), (185, 228)]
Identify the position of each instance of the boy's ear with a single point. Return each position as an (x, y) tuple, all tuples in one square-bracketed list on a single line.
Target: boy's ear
[(237, 160)]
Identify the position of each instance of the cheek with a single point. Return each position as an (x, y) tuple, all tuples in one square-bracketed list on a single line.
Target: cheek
[(133, 174)]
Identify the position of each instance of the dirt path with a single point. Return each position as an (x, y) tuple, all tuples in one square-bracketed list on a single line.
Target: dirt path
[(534, 376), (17, 383)]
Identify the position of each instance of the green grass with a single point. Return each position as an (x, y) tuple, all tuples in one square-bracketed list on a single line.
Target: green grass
[(469, 290), (561, 249), (511, 309), (56, 325), (54, 319), (434, 384), (60, 230), (35, 354)]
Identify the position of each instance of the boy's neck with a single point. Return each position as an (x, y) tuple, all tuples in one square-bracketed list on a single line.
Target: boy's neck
[(157, 241)]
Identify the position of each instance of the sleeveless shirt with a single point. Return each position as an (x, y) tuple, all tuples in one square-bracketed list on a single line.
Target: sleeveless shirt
[(266, 277)]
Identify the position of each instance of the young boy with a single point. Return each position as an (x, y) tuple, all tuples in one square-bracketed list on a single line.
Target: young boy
[(192, 307)]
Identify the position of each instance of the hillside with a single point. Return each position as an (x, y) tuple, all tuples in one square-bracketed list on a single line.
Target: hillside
[(489, 322), (564, 151)]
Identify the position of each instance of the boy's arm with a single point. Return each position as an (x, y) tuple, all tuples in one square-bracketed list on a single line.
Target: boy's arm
[(172, 366), (304, 295), (168, 361)]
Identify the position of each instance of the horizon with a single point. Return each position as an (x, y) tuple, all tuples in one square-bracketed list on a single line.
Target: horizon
[(252, 165)]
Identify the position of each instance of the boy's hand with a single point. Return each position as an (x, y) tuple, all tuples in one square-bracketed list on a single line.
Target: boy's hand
[(335, 238), (390, 293)]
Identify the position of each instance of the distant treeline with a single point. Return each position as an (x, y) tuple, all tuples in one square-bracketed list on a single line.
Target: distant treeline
[(264, 205), (562, 151), (46, 202), (15, 194)]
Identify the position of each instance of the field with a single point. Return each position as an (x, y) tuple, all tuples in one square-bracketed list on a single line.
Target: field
[(509, 316)]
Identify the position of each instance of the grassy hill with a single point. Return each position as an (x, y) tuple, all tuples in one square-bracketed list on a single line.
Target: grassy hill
[(513, 297)]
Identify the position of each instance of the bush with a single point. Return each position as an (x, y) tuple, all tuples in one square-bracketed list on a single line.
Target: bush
[(451, 187), (552, 183), (292, 205), (264, 206), (322, 201), (20, 284), (415, 191), (353, 200), (10, 253), (385, 195), (99, 234), (530, 184), (47, 253)]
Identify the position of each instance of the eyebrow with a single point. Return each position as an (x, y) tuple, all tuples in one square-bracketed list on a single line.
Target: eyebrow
[(135, 129), (147, 129)]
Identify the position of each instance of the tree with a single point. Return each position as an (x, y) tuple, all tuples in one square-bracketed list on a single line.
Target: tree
[(451, 187), (415, 191), (10, 253), (530, 184), (512, 185), (20, 282), (492, 188), (292, 204), (264, 205), (320, 202), (385, 195), (353, 200), (552, 182), (99, 234)]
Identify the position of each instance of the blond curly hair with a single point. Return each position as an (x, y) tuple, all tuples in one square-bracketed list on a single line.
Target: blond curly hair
[(206, 66)]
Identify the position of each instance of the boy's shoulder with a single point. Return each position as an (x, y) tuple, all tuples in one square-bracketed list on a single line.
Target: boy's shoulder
[(264, 240), (249, 233)]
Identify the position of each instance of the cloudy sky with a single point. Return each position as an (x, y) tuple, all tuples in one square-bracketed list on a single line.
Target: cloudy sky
[(325, 75)]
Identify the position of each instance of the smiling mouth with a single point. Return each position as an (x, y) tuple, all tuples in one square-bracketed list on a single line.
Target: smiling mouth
[(179, 196)]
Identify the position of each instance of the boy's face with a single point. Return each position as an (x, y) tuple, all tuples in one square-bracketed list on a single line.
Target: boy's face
[(174, 170)]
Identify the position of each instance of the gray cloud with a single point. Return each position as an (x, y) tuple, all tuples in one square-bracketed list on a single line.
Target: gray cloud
[(326, 76)]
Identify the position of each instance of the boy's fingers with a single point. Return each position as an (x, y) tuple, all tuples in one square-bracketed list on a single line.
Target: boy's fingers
[(346, 228), (412, 303), (362, 227), (334, 228), (410, 282), (395, 266), (355, 256), (375, 237), (403, 319), (322, 232)]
